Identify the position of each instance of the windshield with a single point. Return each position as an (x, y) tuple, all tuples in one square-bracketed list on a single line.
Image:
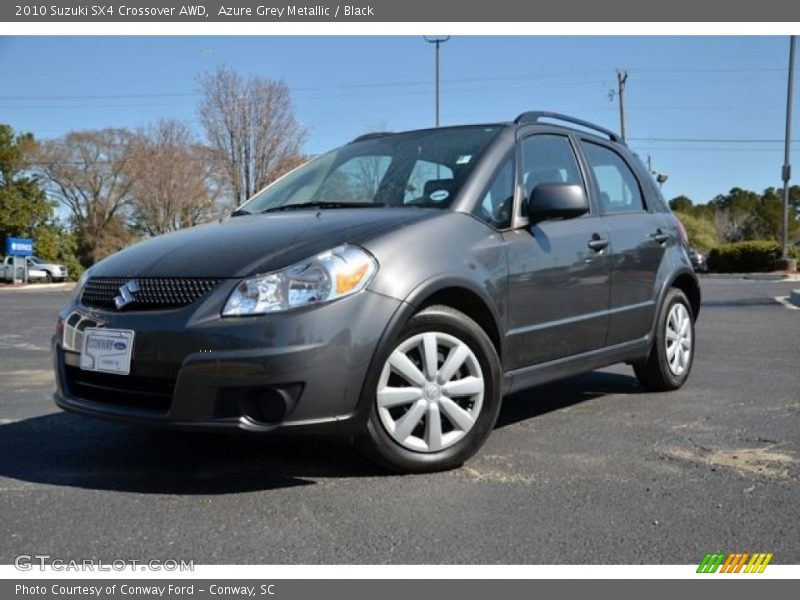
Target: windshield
[(420, 168), (35, 260)]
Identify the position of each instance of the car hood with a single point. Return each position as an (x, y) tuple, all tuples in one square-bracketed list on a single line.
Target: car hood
[(249, 244)]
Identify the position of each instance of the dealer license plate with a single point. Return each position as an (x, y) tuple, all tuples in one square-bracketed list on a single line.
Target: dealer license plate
[(107, 350)]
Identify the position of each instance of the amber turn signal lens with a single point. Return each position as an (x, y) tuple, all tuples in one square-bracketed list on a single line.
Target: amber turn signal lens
[(348, 281)]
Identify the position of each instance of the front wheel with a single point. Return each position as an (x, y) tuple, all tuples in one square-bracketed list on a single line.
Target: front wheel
[(671, 356), (435, 397)]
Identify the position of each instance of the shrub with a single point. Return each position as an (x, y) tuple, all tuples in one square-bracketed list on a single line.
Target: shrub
[(701, 232), (745, 257)]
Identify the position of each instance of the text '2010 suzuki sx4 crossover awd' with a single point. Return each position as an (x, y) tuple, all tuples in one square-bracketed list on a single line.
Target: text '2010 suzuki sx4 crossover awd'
[(392, 291)]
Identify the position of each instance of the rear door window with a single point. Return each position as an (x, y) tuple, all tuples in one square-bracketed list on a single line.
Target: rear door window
[(619, 189)]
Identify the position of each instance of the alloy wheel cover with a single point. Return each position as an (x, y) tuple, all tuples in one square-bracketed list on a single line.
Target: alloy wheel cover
[(430, 392)]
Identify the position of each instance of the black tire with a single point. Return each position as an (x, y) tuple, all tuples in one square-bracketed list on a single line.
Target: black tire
[(47, 277), (655, 373), (380, 447)]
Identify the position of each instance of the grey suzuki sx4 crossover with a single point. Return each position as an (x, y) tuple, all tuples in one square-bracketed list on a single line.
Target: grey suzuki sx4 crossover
[(391, 292)]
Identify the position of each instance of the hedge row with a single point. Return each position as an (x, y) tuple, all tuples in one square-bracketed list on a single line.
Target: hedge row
[(746, 257)]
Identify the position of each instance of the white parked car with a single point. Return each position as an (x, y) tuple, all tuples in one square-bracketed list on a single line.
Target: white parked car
[(37, 269)]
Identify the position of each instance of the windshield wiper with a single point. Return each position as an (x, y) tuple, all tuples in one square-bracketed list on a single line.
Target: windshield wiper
[(303, 205), (240, 212)]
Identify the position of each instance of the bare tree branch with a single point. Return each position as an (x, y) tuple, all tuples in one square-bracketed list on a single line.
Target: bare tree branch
[(172, 179), (251, 130), (87, 172)]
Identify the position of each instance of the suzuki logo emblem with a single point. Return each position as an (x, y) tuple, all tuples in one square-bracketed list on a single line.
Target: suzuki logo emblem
[(126, 293)]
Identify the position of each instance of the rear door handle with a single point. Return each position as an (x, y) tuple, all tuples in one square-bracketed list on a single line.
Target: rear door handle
[(597, 243), (659, 236)]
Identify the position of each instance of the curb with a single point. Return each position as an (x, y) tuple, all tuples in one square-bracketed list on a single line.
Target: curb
[(39, 287), (794, 297), (753, 276)]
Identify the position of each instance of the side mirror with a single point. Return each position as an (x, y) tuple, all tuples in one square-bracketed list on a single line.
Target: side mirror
[(557, 200)]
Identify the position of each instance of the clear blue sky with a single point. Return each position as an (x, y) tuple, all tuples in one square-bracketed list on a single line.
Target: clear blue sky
[(700, 88)]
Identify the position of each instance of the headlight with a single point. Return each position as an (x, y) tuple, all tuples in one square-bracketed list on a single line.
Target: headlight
[(334, 274)]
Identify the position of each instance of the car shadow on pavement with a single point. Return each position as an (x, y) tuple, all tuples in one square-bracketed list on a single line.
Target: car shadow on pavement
[(67, 450), (62, 449), (549, 397)]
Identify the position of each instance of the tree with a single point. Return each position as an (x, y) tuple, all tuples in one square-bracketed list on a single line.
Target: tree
[(701, 232), (171, 179), (681, 204), (769, 224), (743, 215), (794, 197), (23, 204), (25, 210), (703, 211), (55, 243), (251, 130), (87, 171), (735, 214)]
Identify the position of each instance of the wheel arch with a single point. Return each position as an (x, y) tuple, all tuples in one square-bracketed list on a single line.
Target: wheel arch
[(466, 298), (684, 280), (454, 292), (687, 283)]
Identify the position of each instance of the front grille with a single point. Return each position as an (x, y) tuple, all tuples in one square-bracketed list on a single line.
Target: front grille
[(149, 394), (151, 293)]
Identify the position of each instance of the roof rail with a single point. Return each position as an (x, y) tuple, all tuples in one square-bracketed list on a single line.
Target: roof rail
[(536, 116), (370, 136)]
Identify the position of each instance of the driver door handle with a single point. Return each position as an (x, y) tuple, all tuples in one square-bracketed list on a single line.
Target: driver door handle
[(659, 236), (597, 243)]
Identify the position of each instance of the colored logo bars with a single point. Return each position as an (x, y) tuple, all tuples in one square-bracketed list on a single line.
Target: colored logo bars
[(734, 562)]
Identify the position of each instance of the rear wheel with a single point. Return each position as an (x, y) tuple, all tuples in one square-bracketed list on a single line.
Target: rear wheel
[(435, 397), (672, 353)]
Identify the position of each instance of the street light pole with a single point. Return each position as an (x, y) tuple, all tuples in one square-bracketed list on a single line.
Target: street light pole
[(786, 172), (437, 40)]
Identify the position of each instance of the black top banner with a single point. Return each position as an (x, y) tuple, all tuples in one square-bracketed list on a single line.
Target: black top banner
[(442, 11)]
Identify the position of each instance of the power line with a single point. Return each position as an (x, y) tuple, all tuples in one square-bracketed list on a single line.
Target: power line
[(710, 150), (374, 94), (423, 82), (710, 140)]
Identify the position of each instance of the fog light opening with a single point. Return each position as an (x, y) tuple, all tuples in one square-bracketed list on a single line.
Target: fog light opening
[(264, 405)]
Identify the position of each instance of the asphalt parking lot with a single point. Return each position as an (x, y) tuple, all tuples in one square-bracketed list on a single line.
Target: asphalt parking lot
[(588, 470)]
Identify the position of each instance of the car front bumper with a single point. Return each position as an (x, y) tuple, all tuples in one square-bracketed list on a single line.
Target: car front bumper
[(190, 368)]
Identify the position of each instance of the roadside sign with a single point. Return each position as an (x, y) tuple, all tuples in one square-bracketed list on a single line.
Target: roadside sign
[(19, 247)]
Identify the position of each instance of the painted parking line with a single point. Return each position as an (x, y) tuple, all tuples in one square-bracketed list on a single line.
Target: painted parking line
[(29, 378), (17, 342)]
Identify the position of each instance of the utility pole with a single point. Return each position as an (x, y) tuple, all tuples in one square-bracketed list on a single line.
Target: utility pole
[(786, 172), (437, 40), (622, 77)]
